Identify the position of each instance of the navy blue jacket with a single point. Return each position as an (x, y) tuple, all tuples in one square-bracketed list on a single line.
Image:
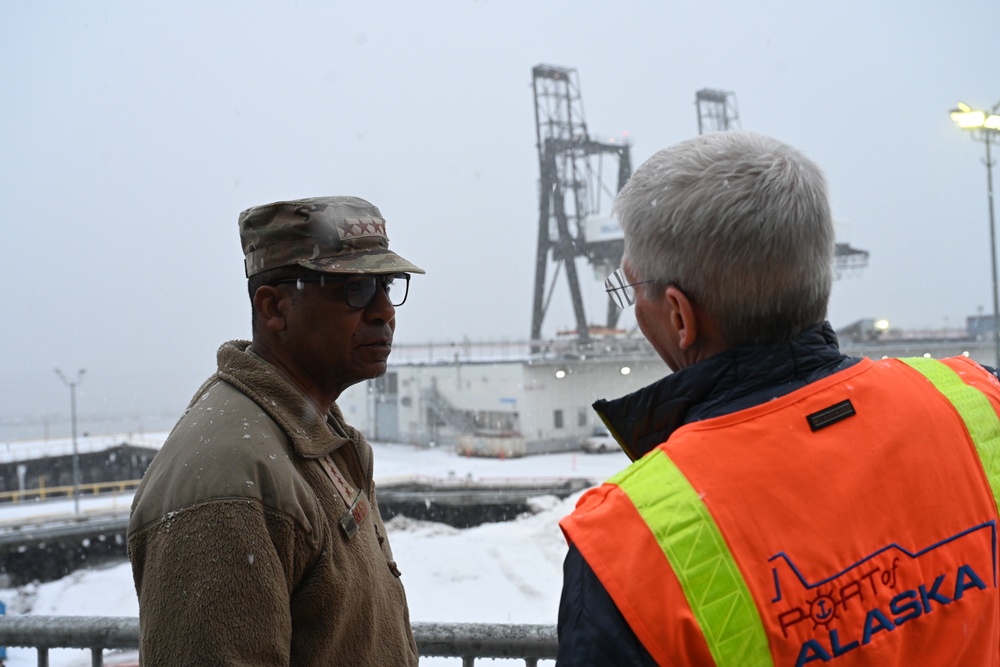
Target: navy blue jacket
[(591, 629)]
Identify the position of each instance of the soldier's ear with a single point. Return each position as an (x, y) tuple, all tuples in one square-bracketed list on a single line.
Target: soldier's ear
[(270, 303)]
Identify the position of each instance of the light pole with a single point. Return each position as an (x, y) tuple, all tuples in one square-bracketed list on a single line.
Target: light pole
[(985, 126), (72, 384)]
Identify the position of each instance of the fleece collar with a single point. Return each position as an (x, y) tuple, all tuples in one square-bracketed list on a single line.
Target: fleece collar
[(308, 430)]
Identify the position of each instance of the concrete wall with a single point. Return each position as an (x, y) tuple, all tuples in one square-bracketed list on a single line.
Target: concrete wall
[(122, 462)]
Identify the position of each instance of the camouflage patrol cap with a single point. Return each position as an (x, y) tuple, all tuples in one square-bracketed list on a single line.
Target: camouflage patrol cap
[(329, 234)]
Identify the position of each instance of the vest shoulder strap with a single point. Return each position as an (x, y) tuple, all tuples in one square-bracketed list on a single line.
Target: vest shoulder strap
[(972, 406), (693, 544)]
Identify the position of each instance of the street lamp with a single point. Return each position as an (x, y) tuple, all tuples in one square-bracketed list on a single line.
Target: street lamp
[(985, 126), (72, 412)]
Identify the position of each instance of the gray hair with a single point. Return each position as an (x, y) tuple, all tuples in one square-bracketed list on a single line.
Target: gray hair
[(741, 224)]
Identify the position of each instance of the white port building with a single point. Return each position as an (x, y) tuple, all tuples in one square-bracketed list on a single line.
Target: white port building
[(517, 398)]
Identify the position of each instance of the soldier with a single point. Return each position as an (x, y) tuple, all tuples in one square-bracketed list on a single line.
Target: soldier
[(255, 537)]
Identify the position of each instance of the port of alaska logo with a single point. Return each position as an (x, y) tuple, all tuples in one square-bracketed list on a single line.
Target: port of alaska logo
[(884, 592)]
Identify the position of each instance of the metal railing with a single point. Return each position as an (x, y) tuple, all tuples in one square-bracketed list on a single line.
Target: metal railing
[(608, 344), (49, 492), (468, 641)]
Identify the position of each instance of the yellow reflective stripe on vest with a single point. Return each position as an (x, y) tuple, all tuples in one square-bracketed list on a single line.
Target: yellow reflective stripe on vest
[(975, 409), (691, 540)]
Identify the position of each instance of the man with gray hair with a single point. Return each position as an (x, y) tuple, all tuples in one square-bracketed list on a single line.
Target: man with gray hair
[(787, 504), (255, 537)]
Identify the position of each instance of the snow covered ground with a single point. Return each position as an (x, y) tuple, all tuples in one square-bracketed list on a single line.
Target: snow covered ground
[(508, 572)]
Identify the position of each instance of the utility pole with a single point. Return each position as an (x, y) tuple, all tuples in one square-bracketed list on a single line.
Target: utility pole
[(72, 384), (985, 127)]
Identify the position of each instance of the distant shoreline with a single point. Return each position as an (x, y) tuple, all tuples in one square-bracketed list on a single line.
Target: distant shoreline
[(61, 430)]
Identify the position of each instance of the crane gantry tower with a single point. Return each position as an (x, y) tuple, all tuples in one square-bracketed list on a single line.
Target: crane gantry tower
[(716, 110), (571, 194), (717, 113)]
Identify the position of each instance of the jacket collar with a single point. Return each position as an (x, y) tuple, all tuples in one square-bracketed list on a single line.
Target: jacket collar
[(308, 430), (727, 382)]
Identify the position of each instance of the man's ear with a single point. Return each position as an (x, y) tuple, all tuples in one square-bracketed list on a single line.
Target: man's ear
[(682, 317), (270, 303)]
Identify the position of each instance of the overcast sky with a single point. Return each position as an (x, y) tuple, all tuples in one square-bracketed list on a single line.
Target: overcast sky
[(133, 134)]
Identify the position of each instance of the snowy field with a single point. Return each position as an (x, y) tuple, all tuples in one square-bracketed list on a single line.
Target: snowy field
[(509, 572)]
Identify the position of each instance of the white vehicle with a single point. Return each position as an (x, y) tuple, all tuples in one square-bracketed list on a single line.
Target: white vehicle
[(600, 442)]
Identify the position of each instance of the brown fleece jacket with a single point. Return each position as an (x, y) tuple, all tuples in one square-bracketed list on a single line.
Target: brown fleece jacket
[(236, 547)]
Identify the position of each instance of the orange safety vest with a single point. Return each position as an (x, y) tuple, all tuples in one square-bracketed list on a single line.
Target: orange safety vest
[(853, 522)]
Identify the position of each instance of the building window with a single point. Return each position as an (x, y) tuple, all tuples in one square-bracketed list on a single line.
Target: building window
[(581, 417), (557, 416)]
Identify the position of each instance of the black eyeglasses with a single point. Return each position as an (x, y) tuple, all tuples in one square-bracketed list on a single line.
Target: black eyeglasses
[(360, 290), (620, 290)]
